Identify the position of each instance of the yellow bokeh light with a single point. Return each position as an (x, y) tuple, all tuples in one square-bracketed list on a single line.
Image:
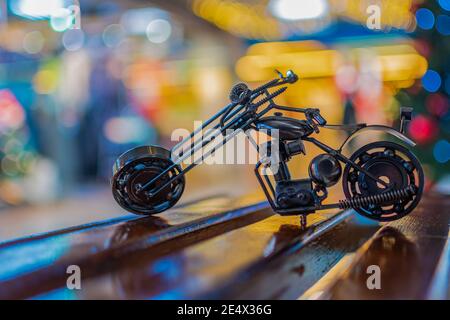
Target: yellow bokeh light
[(45, 81)]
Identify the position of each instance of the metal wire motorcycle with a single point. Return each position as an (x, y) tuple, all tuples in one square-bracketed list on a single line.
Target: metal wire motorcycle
[(382, 180)]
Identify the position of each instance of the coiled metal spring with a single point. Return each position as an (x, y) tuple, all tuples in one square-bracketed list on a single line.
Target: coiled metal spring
[(381, 198), (270, 96), (266, 86)]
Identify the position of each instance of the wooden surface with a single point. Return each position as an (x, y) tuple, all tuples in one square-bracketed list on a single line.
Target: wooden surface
[(226, 247), (407, 251)]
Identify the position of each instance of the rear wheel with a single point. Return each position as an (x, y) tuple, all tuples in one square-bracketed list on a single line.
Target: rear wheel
[(392, 163), (134, 169)]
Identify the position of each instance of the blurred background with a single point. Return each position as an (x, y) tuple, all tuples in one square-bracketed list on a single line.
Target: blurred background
[(83, 81)]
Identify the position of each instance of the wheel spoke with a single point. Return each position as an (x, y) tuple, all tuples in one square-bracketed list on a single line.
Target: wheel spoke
[(409, 166), (364, 157), (389, 152)]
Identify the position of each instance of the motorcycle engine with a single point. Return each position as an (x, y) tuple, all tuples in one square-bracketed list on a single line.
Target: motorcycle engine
[(294, 193), (325, 170)]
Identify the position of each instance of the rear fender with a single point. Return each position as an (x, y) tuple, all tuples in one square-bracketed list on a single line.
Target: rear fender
[(385, 129)]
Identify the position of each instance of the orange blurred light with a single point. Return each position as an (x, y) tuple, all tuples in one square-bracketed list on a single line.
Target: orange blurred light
[(398, 63)]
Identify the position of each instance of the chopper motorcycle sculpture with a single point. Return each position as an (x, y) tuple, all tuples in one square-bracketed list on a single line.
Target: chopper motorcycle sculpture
[(381, 180)]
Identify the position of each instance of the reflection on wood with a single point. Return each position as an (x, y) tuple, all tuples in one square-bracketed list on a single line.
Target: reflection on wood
[(231, 248), (406, 251)]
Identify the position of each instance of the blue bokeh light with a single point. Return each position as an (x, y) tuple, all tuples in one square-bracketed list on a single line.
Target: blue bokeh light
[(441, 151), (425, 18), (443, 24), (445, 4), (431, 81)]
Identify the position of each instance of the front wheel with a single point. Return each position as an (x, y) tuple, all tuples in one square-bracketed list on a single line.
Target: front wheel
[(135, 168), (391, 163)]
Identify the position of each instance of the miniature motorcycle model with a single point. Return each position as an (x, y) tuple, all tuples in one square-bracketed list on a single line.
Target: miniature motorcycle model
[(382, 180)]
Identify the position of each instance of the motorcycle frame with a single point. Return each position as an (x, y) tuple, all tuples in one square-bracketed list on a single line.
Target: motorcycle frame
[(231, 118), (241, 117), (269, 191)]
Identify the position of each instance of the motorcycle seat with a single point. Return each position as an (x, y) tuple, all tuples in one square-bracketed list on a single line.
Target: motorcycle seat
[(288, 128)]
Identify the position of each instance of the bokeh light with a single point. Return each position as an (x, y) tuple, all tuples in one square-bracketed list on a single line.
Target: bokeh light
[(61, 19), (441, 151), (73, 39), (113, 35), (33, 42), (425, 18), (347, 78), (126, 130), (158, 31), (12, 114), (293, 10), (138, 70), (445, 4), (431, 81), (437, 104), (35, 9), (422, 129), (136, 21), (443, 24), (9, 166), (45, 81)]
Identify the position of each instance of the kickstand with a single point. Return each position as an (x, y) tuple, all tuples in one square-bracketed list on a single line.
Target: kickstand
[(303, 221)]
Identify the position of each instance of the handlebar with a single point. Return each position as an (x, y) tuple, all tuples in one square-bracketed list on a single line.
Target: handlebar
[(315, 119), (270, 97), (240, 93), (290, 78), (319, 119)]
